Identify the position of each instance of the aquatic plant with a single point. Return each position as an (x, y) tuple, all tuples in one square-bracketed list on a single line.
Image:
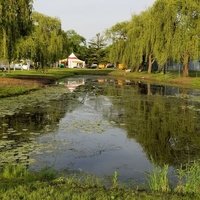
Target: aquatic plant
[(189, 178), (115, 179), (158, 180), (47, 174), (14, 171)]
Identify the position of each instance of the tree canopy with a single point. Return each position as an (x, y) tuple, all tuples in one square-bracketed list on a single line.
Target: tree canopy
[(45, 43), (96, 49), (169, 30), (15, 22)]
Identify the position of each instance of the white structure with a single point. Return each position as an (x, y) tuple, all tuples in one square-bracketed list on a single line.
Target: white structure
[(74, 62), (23, 65), (72, 84)]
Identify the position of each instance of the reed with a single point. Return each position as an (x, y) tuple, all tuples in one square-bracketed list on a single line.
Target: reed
[(189, 178), (158, 180), (14, 171)]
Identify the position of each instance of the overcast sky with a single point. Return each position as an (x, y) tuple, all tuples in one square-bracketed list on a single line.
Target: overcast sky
[(88, 17)]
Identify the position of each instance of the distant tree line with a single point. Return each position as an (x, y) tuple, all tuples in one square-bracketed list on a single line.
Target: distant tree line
[(169, 30), (31, 35), (15, 22)]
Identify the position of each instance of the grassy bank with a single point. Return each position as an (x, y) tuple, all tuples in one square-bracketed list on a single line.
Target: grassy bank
[(55, 74), (12, 87), (18, 183), (169, 78), (21, 82)]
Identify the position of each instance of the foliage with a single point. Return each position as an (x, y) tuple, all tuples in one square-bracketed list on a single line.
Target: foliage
[(15, 22), (163, 123), (45, 44), (31, 186), (134, 51), (189, 178), (96, 49), (14, 171), (117, 35), (47, 174), (115, 179), (158, 180), (75, 43), (168, 31)]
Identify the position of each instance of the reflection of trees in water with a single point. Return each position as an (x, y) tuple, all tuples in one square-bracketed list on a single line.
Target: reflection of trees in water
[(165, 127), (18, 132), (41, 118)]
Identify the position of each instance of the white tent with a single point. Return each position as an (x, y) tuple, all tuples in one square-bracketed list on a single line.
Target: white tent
[(74, 62)]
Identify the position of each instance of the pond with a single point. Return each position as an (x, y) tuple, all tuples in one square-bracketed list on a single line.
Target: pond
[(99, 125)]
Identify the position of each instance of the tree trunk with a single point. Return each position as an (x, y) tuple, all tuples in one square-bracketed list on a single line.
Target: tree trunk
[(186, 60), (4, 44), (149, 89), (185, 70), (150, 62)]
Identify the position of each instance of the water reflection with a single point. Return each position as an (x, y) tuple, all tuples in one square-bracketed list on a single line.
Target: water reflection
[(72, 84), (165, 126), (108, 124), (18, 132)]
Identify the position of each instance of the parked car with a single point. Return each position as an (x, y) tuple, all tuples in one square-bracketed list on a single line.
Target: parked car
[(2, 68), (94, 66), (21, 66), (17, 66), (110, 65)]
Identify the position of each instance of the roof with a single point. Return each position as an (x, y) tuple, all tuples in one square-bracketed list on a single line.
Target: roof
[(72, 56)]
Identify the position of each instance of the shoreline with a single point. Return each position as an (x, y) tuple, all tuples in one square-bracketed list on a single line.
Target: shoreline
[(172, 79)]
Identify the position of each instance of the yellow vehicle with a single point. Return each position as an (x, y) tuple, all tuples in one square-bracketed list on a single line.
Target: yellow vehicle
[(101, 66), (121, 66)]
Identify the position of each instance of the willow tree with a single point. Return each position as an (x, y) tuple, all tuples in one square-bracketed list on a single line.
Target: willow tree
[(134, 51), (45, 44), (186, 40), (117, 34), (164, 31), (15, 22), (177, 23), (148, 39), (141, 41)]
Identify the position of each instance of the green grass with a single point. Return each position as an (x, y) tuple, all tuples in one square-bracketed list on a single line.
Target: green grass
[(170, 78), (12, 87), (55, 74), (189, 178), (158, 180), (8, 91), (16, 182), (11, 171)]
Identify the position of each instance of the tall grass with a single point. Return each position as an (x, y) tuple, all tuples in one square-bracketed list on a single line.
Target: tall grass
[(158, 180), (14, 171), (18, 183), (189, 178), (115, 179), (47, 174)]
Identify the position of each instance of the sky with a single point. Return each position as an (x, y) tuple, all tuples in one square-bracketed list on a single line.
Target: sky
[(89, 17)]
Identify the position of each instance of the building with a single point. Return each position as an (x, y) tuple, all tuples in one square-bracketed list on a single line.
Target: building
[(74, 62)]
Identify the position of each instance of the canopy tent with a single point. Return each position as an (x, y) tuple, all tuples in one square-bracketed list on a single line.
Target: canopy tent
[(74, 62)]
